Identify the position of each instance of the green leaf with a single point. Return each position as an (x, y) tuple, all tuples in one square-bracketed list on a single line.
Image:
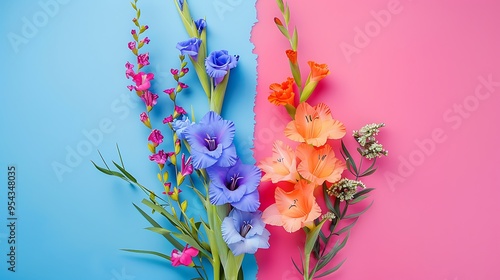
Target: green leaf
[(296, 266), (348, 157), (169, 237), (332, 270), (191, 241), (328, 257), (284, 31), (295, 39), (128, 175), (281, 5), (346, 228), (286, 14), (109, 172), (120, 155), (148, 252), (358, 199), (362, 192), (311, 238), (359, 213), (368, 172)]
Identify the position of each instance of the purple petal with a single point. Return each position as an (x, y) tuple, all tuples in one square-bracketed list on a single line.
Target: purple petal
[(228, 156), (202, 160), (229, 232), (248, 203)]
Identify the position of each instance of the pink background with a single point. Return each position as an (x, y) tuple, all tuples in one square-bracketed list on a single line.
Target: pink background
[(438, 219)]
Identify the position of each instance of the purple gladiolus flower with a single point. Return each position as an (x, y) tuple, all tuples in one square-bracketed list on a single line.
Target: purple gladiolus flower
[(218, 63), (244, 232), (211, 142), (201, 24), (180, 125), (236, 185), (190, 47)]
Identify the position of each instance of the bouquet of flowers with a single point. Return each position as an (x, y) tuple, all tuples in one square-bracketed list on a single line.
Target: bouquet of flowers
[(201, 156)]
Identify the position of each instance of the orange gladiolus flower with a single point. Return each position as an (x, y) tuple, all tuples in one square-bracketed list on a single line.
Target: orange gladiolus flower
[(318, 71), (293, 210), (292, 56), (319, 164), (282, 166), (314, 125), (282, 94)]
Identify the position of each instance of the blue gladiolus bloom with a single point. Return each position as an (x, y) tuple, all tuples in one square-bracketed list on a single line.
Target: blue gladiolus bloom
[(180, 125), (236, 185), (190, 47), (201, 24), (244, 232), (218, 63), (211, 142)]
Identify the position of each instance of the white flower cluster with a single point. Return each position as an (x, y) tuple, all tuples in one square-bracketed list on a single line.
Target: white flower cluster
[(345, 189), (370, 147)]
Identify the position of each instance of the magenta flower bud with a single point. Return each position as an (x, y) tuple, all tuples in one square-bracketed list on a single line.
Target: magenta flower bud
[(156, 137), (130, 87), (167, 187), (183, 85), (168, 119), (169, 91), (131, 45), (133, 32), (185, 70), (179, 110), (174, 71), (145, 40), (144, 117), (143, 59)]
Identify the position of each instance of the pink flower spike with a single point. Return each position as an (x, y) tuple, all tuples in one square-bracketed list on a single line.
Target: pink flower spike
[(142, 79), (180, 110), (130, 87), (143, 59), (160, 157), (149, 99), (131, 45), (174, 71), (155, 137), (168, 119), (183, 85), (185, 257), (185, 70), (186, 166), (169, 91)]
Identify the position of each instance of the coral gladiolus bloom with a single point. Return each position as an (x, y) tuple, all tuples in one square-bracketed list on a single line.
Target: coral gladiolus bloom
[(318, 71), (282, 166), (282, 94), (292, 56), (319, 164), (314, 125), (293, 210)]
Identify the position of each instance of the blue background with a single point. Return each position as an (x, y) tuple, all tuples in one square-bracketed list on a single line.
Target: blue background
[(62, 78)]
